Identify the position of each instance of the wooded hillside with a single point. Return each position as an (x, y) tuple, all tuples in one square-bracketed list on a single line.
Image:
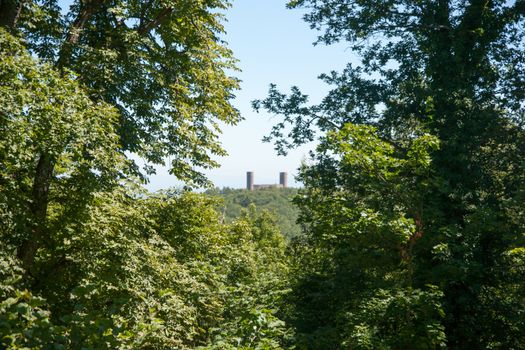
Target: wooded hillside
[(278, 201), (411, 214)]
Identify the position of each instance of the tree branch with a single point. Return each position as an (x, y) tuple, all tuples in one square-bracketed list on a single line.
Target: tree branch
[(161, 18), (86, 12)]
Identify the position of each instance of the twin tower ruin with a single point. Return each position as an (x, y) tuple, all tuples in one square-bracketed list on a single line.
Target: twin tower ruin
[(283, 182)]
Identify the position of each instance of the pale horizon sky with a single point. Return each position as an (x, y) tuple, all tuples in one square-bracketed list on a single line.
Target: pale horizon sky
[(273, 45)]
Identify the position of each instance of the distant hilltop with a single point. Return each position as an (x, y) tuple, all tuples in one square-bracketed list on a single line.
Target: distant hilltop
[(283, 182)]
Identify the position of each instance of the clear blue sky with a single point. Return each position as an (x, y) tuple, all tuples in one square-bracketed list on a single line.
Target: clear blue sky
[(273, 45)]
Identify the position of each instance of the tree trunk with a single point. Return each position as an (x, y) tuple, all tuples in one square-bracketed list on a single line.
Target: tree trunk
[(44, 170), (40, 200), (9, 13)]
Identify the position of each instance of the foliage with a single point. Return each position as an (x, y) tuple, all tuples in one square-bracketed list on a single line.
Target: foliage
[(255, 306), (398, 320), (24, 318), (361, 205), (160, 64), (159, 272), (412, 229), (44, 112), (88, 259), (388, 212), (157, 69)]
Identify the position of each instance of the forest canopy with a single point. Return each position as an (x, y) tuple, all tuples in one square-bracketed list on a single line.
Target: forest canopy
[(410, 228), (89, 259), (414, 203)]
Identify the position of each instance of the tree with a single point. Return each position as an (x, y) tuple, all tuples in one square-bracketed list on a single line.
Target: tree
[(44, 112), (159, 65), (362, 205), (141, 271), (88, 258), (450, 69)]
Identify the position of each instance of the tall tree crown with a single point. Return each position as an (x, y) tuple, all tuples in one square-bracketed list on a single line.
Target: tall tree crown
[(162, 64)]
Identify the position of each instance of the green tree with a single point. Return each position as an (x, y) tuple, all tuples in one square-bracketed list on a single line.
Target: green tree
[(149, 272), (89, 259), (254, 310), (159, 65), (452, 70), (362, 205), (44, 112)]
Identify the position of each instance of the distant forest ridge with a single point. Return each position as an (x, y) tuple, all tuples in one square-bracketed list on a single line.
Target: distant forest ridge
[(278, 201)]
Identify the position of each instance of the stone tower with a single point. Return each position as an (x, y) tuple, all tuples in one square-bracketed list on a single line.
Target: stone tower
[(249, 180), (283, 179)]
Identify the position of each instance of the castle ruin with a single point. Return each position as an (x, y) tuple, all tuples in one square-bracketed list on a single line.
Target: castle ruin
[(250, 184)]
